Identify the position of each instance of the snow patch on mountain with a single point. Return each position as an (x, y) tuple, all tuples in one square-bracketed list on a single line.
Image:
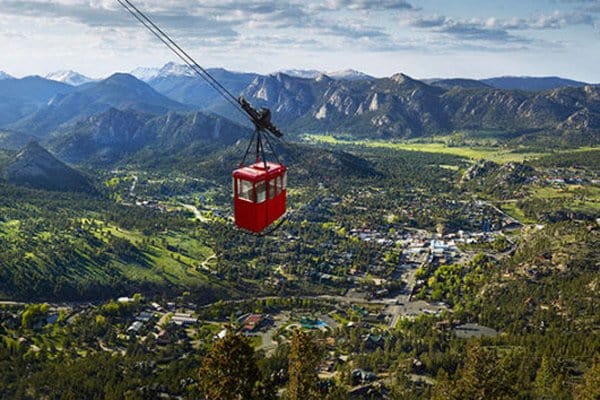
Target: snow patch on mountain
[(4, 75), (349, 75), (172, 69), (169, 70), (344, 75), (302, 73), (69, 77), (145, 73)]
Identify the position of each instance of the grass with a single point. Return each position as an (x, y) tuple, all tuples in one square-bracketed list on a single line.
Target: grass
[(587, 193), (499, 155), (572, 197), (514, 211), (173, 257), (575, 197)]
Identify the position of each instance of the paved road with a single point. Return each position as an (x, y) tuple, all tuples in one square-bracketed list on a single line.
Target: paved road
[(268, 344), (132, 188)]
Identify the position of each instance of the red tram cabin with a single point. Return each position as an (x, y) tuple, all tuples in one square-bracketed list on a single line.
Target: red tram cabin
[(259, 195)]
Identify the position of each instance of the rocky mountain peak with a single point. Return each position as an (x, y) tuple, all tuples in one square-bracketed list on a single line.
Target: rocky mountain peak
[(323, 78), (401, 78)]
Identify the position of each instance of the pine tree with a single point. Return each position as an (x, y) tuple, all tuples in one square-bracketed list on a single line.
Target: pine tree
[(229, 371), (549, 380), (444, 387), (589, 389), (484, 376), (302, 368)]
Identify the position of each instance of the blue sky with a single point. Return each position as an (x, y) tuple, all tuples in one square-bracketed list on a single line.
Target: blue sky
[(422, 38)]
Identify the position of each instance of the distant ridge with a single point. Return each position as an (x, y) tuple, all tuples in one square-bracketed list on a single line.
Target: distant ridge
[(531, 83), (120, 91), (22, 97), (458, 82), (347, 74), (35, 167)]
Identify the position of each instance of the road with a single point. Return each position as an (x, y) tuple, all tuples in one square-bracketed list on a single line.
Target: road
[(133, 184), (269, 345), (195, 210), (501, 212), (403, 306)]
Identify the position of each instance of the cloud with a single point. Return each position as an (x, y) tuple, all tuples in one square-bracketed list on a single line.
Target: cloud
[(497, 30), (215, 19), (95, 14), (370, 5), (472, 29)]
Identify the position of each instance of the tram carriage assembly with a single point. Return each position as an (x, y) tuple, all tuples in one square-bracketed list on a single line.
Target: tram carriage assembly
[(259, 189), (259, 196)]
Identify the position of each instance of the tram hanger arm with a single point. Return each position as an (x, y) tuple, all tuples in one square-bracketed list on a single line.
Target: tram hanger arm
[(261, 118)]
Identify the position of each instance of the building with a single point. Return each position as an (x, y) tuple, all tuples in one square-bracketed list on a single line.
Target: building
[(252, 322), (183, 319), (135, 327)]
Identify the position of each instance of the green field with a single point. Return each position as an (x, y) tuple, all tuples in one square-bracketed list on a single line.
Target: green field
[(496, 154), (575, 197), (174, 256)]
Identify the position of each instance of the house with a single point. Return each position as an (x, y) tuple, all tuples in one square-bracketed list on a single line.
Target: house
[(252, 322), (144, 316), (374, 341), (183, 319), (362, 376), (222, 334), (125, 300), (135, 327)]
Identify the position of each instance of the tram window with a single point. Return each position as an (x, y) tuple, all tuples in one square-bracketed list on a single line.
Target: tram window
[(284, 179), (272, 185), (245, 190), (277, 181), (261, 194)]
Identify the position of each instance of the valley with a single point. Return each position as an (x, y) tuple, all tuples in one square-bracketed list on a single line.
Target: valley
[(411, 253), (371, 264)]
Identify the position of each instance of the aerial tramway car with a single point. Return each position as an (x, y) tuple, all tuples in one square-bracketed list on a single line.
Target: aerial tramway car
[(259, 196), (259, 189)]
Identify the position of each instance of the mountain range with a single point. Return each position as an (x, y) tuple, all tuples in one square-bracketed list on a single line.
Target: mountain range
[(104, 121), (109, 137), (68, 106), (401, 106)]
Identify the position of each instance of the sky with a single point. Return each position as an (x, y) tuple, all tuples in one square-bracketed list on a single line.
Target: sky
[(421, 38)]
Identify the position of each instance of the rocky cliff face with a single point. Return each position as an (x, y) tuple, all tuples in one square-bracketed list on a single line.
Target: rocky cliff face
[(394, 107), (400, 106)]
